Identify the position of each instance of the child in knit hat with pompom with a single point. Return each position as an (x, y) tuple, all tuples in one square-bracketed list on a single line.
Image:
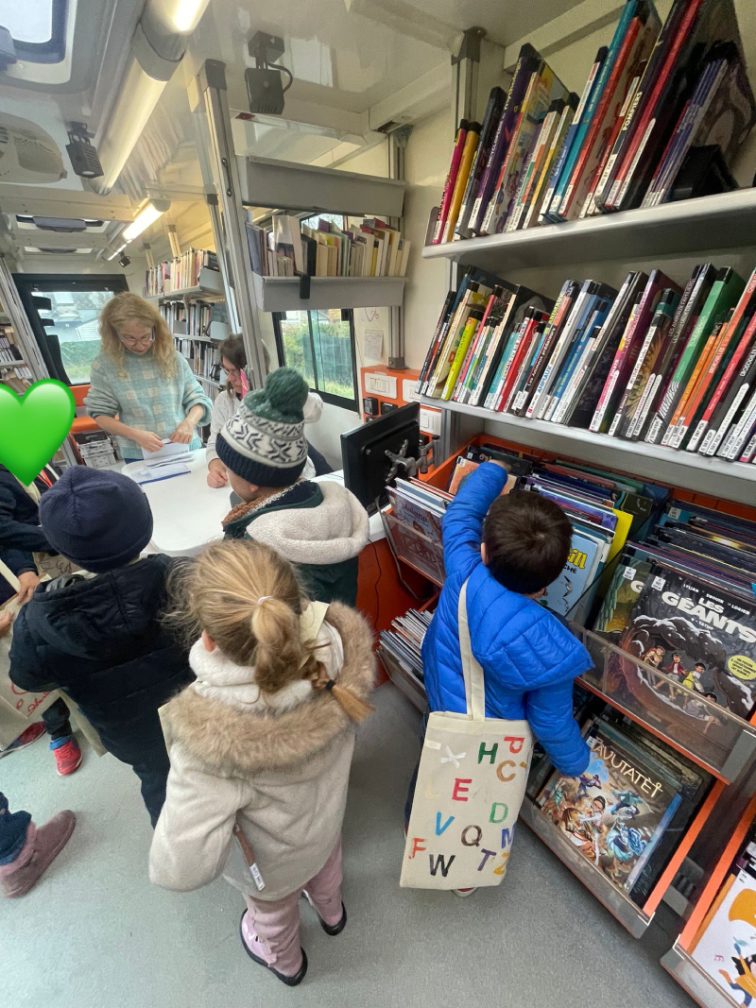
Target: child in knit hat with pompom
[(320, 527)]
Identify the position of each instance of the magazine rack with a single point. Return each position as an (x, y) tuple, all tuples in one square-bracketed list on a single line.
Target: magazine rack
[(404, 680), (678, 961), (717, 740), (422, 554)]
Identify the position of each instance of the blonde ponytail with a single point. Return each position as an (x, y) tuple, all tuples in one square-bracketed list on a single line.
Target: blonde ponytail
[(279, 650)]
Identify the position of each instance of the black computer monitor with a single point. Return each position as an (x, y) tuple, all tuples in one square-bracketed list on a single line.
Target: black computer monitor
[(363, 451)]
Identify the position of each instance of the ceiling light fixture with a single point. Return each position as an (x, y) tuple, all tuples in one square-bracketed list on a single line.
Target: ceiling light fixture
[(111, 255), (187, 15), (144, 219)]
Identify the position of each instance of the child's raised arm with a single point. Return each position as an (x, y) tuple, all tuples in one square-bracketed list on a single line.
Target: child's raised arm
[(463, 522)]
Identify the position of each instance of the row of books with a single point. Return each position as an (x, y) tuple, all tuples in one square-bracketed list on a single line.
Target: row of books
[(179, 273), (204, 358), (404, 640), (192, 319), (648, 362), (665, 582), (9, 351), (656, 96), (288, 247), (723, 945)]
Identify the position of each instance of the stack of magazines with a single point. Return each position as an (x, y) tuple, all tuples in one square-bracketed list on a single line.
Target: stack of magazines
[(404, 641)]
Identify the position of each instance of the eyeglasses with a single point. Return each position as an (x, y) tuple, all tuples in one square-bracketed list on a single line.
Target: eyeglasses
[(130, 341)]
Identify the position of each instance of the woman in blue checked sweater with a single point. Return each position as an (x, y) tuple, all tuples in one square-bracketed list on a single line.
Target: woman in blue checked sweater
[(142, 389)]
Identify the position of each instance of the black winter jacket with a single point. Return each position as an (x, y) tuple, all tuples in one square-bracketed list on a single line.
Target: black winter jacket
[(20, 534), (101, 640)]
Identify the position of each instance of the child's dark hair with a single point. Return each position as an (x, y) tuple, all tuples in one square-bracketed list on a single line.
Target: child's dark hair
[(232, 348), (527, 539)]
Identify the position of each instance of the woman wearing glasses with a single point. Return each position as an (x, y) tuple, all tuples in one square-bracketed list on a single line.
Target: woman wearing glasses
[(142, 389), (234, 363)]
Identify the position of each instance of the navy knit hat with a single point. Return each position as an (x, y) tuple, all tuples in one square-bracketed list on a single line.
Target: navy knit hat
[(265, 443), (97, 518)]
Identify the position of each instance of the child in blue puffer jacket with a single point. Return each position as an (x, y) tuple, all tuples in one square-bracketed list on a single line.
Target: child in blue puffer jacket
[(510, 548)]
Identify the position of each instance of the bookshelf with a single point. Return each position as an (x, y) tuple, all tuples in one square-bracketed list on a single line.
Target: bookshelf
[(210, 288), (719, 478), (274, 294), (724, 221), (285, 185), (678, 961)]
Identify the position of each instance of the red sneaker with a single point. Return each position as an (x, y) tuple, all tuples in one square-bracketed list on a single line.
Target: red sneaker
[(464, 892), (67, 755)]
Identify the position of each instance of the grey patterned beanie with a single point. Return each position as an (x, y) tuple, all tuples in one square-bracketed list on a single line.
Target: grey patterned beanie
[(265, 443)]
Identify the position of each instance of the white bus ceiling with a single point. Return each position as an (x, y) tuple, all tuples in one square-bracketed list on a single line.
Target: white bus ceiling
[(357, 65)]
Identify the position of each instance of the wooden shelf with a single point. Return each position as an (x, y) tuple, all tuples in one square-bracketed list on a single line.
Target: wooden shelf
[(718, 478), (284, 185), (725, 221), (630, 916)]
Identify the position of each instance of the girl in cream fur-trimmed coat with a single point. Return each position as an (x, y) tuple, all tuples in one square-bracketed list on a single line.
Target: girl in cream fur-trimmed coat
[(262, 744)]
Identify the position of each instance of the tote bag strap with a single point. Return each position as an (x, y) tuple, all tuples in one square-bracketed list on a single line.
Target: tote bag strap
[(9, 576), (475, 690)]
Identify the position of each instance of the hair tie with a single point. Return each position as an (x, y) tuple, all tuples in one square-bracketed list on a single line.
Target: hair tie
[(329, 684), (263, 598)]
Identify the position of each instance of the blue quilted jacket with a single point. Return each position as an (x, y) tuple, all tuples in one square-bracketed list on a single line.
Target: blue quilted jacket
[(529, 657)]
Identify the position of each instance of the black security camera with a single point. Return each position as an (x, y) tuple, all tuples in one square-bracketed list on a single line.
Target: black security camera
[(123, 260)]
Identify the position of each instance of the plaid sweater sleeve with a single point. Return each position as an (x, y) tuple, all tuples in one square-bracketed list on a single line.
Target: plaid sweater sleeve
[(192, 392), (101, 399)]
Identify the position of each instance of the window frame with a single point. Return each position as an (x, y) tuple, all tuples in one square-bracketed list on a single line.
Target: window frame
[(54, 49), (347, 315)]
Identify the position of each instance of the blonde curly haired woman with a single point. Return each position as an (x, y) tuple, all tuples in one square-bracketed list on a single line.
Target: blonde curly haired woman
[(142, 389)]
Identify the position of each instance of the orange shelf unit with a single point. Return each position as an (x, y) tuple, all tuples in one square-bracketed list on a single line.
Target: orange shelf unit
[(689, 933)]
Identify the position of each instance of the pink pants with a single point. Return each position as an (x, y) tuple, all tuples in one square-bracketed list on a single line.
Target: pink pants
[(271, 927)]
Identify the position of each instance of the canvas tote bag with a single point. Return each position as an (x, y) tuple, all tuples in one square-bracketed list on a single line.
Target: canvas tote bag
[(470, 786)]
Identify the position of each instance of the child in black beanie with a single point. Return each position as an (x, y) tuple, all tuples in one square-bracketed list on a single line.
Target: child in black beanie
[(98, 634)]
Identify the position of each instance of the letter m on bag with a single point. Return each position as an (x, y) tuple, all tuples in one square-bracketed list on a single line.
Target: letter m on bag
[(442, 862)]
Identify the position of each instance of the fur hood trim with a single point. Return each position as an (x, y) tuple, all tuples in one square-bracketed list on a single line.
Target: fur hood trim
[(231, 741)]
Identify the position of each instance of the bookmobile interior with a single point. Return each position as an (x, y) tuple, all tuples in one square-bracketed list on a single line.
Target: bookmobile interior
[(158, 146)]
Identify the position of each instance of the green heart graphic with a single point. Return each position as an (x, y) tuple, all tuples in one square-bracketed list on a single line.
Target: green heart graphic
[(32, 428)]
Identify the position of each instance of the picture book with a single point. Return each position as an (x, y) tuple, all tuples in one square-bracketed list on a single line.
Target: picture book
[(616, 812), (708, 636), (726, 947)]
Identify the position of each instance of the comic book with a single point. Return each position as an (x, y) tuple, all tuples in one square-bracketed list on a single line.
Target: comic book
[(621, 598), (616, 812), (708, 634)]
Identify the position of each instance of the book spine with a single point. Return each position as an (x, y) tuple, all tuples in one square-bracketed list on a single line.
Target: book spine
[(479, 336), (554, 151), (607, 393), (541, 398), (488, 225), (505, 395), (725, 382), (698, 364), (529, 178), (741, 429), (502, 369), (539, 362), (527, 61), (637, 41), (537, 381), (596, 314), (564, 154), (567, 400), (729, 409), (469, 331), (647, 119), (468, 153), (451, 179), (599, 93), (635, 420), (639, 100), (491, 119), (441, 324)]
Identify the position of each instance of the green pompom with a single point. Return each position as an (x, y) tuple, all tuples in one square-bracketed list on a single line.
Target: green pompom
[(282, 399)]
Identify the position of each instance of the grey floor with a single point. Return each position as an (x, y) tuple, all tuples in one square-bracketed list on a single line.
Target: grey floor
[(95, 934)]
